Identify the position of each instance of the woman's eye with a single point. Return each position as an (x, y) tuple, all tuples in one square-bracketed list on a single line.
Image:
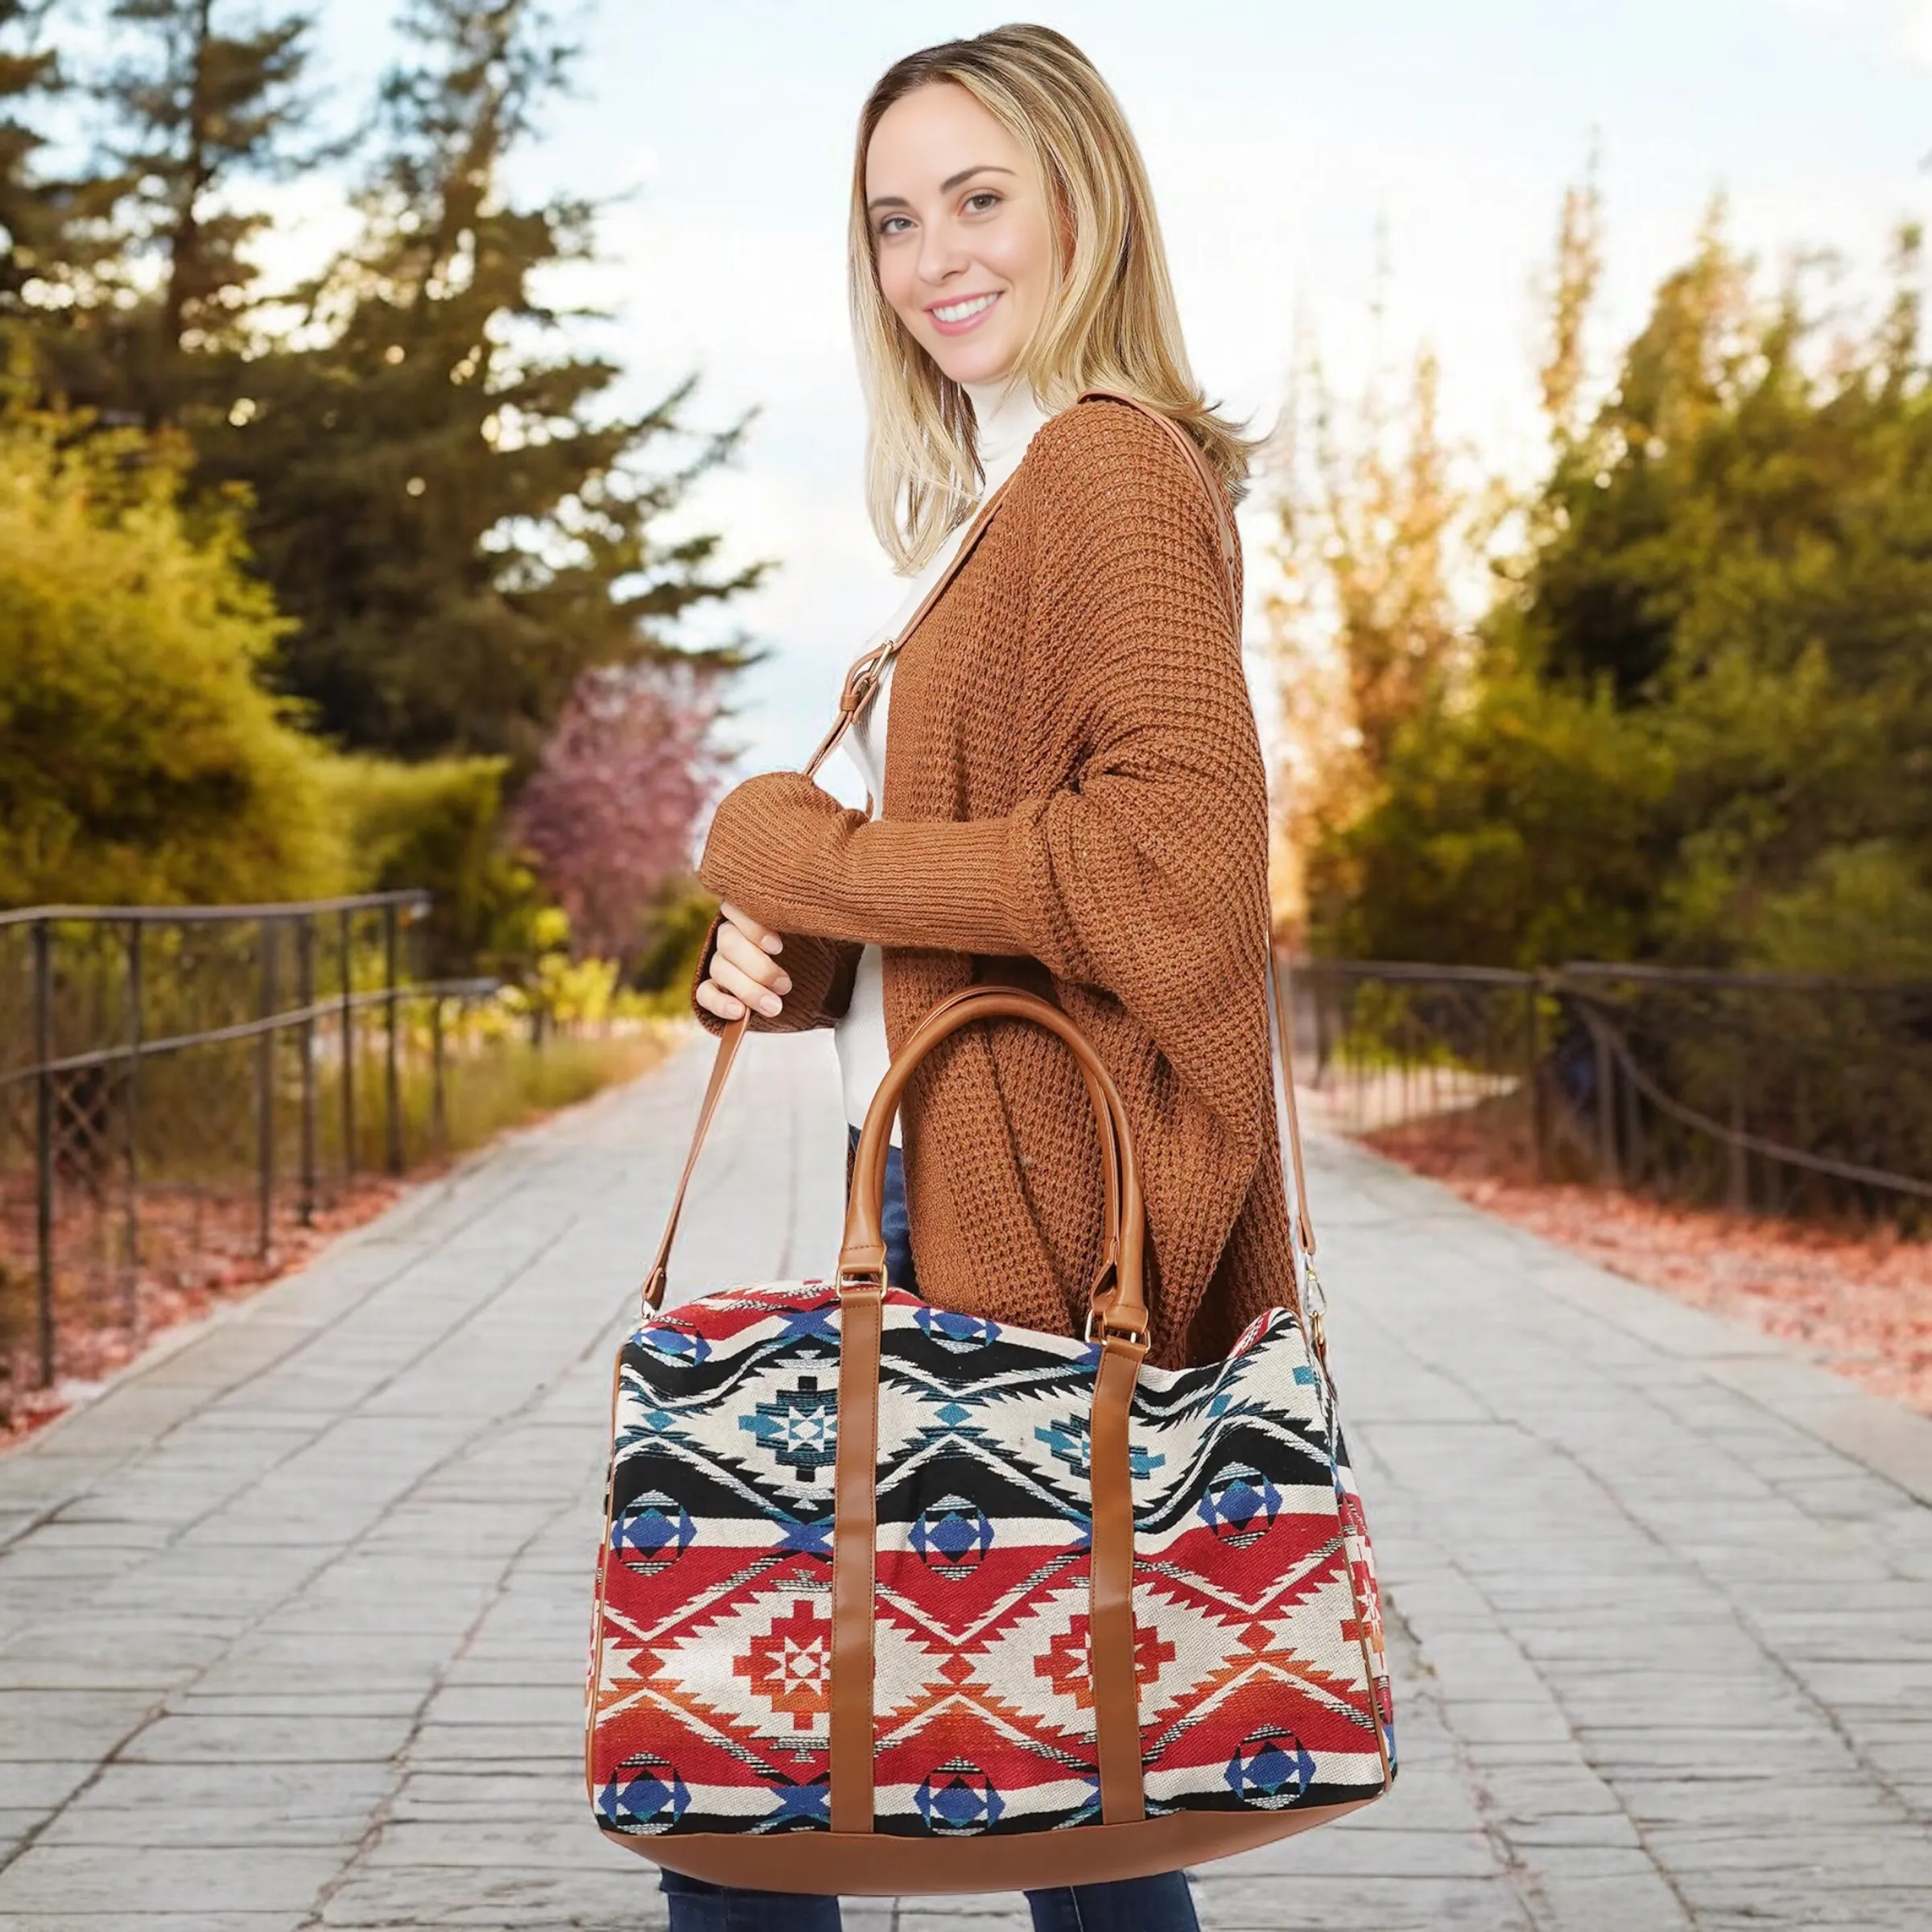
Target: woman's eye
[(985, 194), (886, 227)]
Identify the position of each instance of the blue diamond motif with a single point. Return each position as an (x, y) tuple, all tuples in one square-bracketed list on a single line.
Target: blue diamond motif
[(1271, 1770), (950, 1538), (958, 1799)]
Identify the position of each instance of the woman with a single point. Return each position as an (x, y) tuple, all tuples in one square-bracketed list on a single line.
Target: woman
[(1073, 799)]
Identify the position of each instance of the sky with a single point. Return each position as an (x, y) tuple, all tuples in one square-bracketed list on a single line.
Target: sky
[(1282, 137)]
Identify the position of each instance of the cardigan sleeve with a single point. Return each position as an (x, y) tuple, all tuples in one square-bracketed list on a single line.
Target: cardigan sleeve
[(1144, 872)]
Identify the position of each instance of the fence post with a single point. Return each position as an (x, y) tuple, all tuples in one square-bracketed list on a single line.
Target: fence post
[(439, 1117), (44, 1142), (305, 980), (1633, 1136), (1738, 1189), (1606, 1102), (1533, 1073), (391, 1073), (349, 1050), (265, 1097), (130, 1224)]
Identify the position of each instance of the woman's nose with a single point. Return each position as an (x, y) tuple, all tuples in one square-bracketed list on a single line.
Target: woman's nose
[(940, 256)]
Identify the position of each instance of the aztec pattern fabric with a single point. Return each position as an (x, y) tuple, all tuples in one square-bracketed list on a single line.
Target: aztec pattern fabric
[(1258, 1634)]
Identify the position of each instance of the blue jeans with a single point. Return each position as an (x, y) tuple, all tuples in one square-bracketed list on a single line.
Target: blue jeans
[(1135, 1905), (892, 1223)]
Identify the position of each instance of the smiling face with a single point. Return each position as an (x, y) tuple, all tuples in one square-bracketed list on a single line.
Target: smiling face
[(961, 232)]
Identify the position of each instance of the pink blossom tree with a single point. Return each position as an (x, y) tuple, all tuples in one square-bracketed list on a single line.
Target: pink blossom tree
[(610, 815)]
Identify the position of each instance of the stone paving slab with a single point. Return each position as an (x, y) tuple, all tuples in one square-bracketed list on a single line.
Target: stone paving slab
[(292, 1620)]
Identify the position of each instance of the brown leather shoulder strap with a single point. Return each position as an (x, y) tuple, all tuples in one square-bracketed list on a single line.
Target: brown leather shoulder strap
[(862, 674), (861, 681)]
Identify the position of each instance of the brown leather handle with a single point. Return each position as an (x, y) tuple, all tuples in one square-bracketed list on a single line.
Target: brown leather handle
[(1119, 1300), (1099, 1089), (1118, 1322)]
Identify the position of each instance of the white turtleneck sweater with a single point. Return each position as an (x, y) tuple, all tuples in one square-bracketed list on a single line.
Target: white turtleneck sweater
[(1006, 426)]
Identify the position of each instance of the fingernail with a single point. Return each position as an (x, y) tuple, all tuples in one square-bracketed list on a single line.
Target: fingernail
[(784, 982), (772, 942), (768, 1002)]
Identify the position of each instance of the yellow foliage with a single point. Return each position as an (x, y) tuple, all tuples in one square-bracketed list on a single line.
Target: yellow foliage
[(141, 759)]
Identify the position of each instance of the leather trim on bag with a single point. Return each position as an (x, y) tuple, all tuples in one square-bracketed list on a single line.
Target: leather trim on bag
[(1110, 1641), (877, 1865), (596, 1613), (856, 1507), (1120, 1316)]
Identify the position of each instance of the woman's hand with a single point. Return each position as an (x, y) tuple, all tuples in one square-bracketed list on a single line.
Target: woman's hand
[(744, 974)]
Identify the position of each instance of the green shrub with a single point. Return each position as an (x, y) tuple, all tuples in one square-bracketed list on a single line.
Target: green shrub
[(438, 826), (1526, 828), (140, 758)]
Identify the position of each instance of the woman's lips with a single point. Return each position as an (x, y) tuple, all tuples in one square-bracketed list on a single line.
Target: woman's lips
[(989, 304)]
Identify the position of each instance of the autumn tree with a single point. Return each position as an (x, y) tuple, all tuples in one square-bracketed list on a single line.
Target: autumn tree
[(1569, 294), (1698, 728), (1373, 530)]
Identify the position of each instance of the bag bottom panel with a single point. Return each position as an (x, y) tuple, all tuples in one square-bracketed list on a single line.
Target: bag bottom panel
[(863, 1865)]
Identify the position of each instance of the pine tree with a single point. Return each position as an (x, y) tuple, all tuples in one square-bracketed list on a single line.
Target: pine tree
[(206, 106), (51, 247), (28, 70), (447, 505)]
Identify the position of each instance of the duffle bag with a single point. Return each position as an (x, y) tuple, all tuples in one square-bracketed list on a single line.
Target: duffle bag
[(896, 1601)]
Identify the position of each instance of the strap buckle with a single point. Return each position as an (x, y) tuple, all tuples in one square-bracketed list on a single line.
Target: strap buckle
[(1100, 1329), (862, 680)]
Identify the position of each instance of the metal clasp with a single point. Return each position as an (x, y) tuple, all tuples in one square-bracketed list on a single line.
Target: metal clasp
[(1314, 1303), (1100, 1329)]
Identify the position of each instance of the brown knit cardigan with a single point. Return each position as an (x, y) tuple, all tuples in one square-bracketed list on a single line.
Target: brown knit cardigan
[(1074, 789)]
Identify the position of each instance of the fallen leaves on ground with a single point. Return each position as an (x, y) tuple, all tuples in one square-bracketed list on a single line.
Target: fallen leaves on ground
[(199, 1254), (1861, 1302), (199, 1249)]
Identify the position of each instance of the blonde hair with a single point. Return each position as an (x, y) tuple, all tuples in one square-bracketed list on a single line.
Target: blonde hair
[(1110, 321)]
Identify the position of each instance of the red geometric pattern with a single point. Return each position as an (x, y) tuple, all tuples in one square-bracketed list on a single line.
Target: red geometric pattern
[(789, 1667)]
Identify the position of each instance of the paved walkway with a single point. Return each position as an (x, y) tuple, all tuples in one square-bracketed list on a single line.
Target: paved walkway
[(292, 1622)]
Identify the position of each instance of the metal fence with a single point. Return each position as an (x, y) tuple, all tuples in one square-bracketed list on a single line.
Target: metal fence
[(1774, 1093), (179, 1085)]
